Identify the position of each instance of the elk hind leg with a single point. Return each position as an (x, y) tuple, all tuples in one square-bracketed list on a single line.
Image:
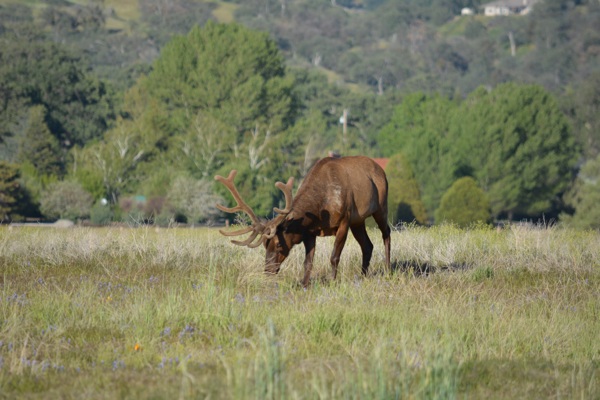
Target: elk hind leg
[(338, 246), (381, 220), (360, 234)]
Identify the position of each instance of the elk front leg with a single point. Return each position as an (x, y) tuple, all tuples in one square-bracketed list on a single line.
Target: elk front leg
[(309, 246), (338, 246)]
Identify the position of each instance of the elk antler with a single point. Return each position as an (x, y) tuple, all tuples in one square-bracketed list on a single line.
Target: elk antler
[(287, 191), (289, 199), (257, 226)]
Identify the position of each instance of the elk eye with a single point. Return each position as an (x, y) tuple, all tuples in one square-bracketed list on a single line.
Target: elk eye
[(279, 245)]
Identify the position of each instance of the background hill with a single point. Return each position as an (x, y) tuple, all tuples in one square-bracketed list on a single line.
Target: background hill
[(376, 45)]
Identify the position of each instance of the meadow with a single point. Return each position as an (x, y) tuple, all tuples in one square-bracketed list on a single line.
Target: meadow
[(111, 313)]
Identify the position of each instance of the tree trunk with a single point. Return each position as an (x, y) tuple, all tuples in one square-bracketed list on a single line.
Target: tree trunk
[(513, 46)]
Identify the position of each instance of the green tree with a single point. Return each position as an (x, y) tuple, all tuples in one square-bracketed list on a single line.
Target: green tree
[(10, 191), (226, 98), (38, 146), (229, 71), (419, 130), (116, 158), (91, 179), (584, 197), (36, 72), (464, 204), (518, 145), (404, 198), (582, 106), (66, 200), (201, 148)]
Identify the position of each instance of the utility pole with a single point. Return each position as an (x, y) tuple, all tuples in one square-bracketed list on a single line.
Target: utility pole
[(344, 128)]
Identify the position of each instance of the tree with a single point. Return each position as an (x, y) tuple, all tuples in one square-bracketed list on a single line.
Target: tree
[(582, 105), (66, 200), (79, 107), (200, 150), (10, 190), (404, 199), (116, 159), (584, 197), (227, 100), (464, 204), (229, 71), (38, 146), (419, 130), (518, 146)]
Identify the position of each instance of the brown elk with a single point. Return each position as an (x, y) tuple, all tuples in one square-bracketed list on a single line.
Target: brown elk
[(337, 195)]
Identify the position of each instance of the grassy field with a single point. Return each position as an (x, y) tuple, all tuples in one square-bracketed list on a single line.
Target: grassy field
[(182, 313)]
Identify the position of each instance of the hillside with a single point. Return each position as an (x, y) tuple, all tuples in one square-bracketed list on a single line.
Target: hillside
[(376, 45)]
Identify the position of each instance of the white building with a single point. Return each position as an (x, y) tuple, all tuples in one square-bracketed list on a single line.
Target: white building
[(508, 7)]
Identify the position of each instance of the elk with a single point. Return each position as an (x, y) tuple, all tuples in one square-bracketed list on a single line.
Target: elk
[(337, 196)]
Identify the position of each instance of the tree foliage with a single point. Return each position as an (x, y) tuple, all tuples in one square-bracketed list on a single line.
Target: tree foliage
[(221, 97), (227, 99), (584, 197), (115, 159), (513, 140), (418, 130), (582, 106), (36, 72), (464, 204), (39, 147), (233, 73), (518, 146), (10, 191), (404, 199)]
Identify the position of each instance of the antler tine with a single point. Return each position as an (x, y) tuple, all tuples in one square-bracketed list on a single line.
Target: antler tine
[(289, 198), (236, 233), (249, 240), (241, 204)]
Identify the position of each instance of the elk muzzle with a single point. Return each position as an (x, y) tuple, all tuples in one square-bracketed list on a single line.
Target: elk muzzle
[(273, 262)]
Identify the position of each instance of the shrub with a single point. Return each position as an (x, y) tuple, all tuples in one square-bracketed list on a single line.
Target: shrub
[(132, 209), (584, 198), (101, 214), (165, 219), (463, 204), (193, 199), (66, 200)]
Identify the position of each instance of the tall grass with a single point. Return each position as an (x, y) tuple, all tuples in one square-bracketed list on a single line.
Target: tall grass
[(168, 313)]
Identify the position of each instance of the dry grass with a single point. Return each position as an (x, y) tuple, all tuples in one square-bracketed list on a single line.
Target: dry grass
[(121, 313), (224, 13)]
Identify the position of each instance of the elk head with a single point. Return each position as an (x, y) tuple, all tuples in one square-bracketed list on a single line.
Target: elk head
[(271, 233)]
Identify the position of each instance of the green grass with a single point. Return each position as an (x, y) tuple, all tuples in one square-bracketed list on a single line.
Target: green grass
[(145, 313)]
